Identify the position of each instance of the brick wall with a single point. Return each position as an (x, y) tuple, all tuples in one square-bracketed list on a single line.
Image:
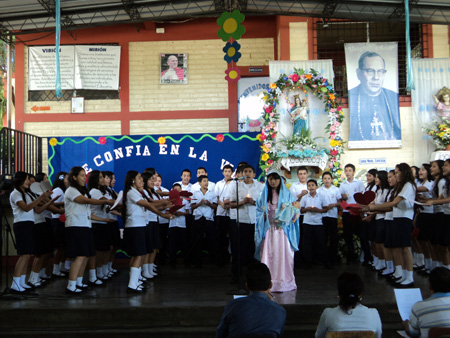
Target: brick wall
[(298, 40), (179, 126), (207, 88), (441, 48)]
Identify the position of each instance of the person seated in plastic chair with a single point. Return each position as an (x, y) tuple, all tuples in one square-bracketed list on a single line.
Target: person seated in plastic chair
[(256, 315), (434, 311), (350, 315)]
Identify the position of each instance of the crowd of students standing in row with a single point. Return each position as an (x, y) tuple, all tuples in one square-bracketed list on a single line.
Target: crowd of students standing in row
[(246, 210)]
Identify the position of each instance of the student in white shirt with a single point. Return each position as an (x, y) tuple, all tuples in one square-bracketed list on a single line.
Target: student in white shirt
[(177, 231), (313, 206), (223, 214), (163, 223), (24, 203), (379, 261), (444, 200), (350, 315), (201, 171), (368, 227), (135, 233), (298, 190), (332, 197), (60, 184), (351, 224), (110, 182), (422, 247), (80, 240), (203, 206), (100, 228), (155, 240), (245, 209), (402, 202)]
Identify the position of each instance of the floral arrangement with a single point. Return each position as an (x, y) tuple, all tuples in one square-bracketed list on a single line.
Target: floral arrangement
[(303, 80), (439, 132)]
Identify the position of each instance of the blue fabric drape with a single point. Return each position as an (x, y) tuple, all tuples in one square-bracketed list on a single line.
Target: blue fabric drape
[(286, 216), (58, 34)]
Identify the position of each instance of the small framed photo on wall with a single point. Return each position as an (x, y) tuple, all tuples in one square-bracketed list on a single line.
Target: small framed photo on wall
[(173, 68)]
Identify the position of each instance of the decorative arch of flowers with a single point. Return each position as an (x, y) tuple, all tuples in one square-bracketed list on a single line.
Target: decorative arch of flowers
[(303, 81)]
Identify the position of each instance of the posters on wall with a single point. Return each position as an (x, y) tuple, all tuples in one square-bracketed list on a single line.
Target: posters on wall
[(168, 154), (173, 68), (372, 75), (82, 67)]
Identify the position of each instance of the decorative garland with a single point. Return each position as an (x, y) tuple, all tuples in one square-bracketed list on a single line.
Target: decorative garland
[(53, 142), (317, 84)]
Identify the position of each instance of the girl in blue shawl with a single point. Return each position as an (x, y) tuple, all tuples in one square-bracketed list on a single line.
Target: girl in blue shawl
[(277, 232)]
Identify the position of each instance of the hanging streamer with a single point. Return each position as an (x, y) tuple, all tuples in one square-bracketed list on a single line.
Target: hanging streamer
[(410, 77), (58, 33)]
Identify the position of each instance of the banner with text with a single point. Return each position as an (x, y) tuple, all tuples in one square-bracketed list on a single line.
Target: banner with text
[(168, 154), (82, 67)]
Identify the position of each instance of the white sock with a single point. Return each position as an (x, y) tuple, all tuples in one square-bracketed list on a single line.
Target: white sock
[(428, 263), (398, 271), (381, 264), (34, 277), (56, 270), (61, 267), (110, 268), (72, 285), (375, 260), (433, 265), (134, 278), (446, 266), (99, 273), (152, 269), (23, 283), (408, 278), (16, 284), (404, 276), (42, 273), (105, 270), (145, 270), (92, 276), (67, 265), (439, 264), (415, 258), (79, 281), (420, 259)]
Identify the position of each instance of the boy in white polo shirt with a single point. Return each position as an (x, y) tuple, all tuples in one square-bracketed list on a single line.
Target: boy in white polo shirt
[(177, 236), (203, 211), (351, 224), (314, 235)]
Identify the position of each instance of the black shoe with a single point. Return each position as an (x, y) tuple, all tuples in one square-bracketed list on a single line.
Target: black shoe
[(75, 292), (421, 267), (406, 286), (17, 292), (35, 285), (94, 283), (393, 279), (139, 290), (60, 275)]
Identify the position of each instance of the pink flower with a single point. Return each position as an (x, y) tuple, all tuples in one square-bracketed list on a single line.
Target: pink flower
[(333, 110), (332, 136), (337, 124), (269, 162), (269, 145), (330, 165), (102, 140), (333, 128), (275, 128), (220, 137), (294, 77), (263, 136), (272, 114), (267, 169), (268, 109), (274, 135), (271, 125)]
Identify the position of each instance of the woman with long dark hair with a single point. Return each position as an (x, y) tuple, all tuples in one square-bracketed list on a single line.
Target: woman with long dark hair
[(350, 315), (60, 184), (277, 232), (424, 219), (135, 235), (402, 202), (24, 203), (114, 230), (80, 240)]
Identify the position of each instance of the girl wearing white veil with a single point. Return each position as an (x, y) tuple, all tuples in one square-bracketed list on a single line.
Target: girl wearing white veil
[(277, 232)]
